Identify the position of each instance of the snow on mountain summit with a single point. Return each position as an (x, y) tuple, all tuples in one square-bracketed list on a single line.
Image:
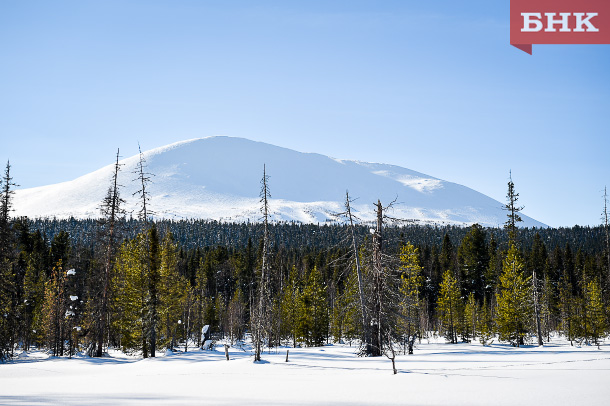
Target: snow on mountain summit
[(219, 178)]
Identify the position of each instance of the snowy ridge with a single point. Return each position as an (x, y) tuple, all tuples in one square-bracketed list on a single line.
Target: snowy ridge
[(218, 178)]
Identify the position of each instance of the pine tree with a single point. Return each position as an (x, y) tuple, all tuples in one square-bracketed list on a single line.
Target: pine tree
[(471, 316), (473, 260), (410, 287), (536, 264), (596, 319), (153, 278), (54, 310), (547, 307), (173, 292), (446, 256), (485, 324), (129, 296), (448, 306), (290, 306), (493, 271), (566, 308), (9, 286), (33, 288), (514, 300), (313, 320), (347, 313)]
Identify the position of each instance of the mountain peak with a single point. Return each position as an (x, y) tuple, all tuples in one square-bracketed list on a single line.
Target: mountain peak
[(219, 177)]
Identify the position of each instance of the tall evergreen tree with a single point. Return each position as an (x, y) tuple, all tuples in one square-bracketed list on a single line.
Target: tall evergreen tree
[(410, 287), (290, 306), (471, 318), (173, 292), (595, 323), (449, 306), (153, 278), (473, 260), (8, 283), (513, 210), (55, 310), (313, 311), (514, 300)]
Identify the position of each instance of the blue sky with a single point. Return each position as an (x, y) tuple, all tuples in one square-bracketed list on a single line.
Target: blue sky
[(431, 86)]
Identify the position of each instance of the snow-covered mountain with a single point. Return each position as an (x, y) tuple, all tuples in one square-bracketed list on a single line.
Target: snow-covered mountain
[(219, 178)]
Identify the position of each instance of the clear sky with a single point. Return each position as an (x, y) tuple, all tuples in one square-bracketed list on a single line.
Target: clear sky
[(433, 86)]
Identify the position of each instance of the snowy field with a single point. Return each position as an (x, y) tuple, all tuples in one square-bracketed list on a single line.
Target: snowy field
[(438, 374)]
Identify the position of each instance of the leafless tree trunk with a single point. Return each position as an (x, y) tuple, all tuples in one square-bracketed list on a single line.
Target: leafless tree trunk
[(111, 210), (143, 178), (376, 322), (260, 317), (364, 314), (537, 309)]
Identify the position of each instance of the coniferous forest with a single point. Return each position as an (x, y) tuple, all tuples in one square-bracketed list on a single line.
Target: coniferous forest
[(142, 286)]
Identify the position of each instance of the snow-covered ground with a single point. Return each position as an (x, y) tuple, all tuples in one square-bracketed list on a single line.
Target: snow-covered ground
[(438, 374)]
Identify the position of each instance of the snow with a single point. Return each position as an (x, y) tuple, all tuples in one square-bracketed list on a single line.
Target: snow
[(218, 178), (438, 373)]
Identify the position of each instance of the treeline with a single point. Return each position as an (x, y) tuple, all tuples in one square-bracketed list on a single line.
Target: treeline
[(161, 293), (196, 233), (141, 286)]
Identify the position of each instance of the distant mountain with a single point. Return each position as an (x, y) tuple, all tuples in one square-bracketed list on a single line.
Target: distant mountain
[(219, 178)]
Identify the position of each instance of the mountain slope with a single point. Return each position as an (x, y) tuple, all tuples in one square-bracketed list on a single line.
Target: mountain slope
[(219, 178)]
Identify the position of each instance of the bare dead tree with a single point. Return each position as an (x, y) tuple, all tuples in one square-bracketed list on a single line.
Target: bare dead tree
[(111, 213), (383, 280), (537, 308), (377, 294), (364, 314), (260, 319), (143, 178)]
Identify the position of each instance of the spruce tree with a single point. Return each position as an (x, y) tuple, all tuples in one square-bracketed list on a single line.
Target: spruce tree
[(471, 316), (410, 287), (173, 291), (514, 300), (54, 310), (290, 306), (153, 278), (485, 326), (597, 327), (448, 306), (513, 211), (129, 296), (473, 260), (313, 311)]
